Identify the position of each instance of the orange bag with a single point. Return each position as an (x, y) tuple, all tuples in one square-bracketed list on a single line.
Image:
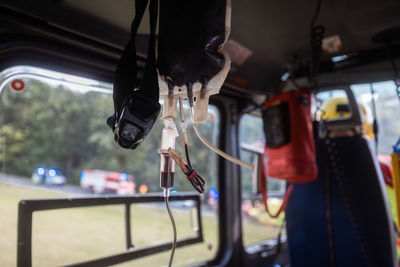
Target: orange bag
[(290, 144)]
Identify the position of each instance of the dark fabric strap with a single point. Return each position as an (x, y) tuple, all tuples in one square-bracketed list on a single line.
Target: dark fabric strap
[(126, 72)]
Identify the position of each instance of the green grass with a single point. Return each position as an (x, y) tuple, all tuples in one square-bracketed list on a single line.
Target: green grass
[(72, 235)]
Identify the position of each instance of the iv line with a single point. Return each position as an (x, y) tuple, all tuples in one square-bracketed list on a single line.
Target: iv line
[(167, 170), (171, 216), (215, 149)]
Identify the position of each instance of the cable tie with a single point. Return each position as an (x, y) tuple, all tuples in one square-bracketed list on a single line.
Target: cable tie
[(192, 175)]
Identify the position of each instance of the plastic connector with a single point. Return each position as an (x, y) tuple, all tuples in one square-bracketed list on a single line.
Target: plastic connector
[(169, 107), (201, 107)]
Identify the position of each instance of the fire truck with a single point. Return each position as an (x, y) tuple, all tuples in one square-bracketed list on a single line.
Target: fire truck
[(100, 182)]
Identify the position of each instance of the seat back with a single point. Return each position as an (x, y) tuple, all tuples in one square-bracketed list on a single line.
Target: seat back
[(342, 218)]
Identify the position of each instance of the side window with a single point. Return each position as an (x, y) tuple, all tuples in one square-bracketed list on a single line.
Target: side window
[(257, 226), (376, 101), (383, 96), (54, 143)]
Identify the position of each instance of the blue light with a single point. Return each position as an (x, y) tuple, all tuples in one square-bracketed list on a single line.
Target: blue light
[(338, 58), (396, 147), (40, 171), (285, 76), (123, 176), (52, 172), (213, 193), (82, 175)]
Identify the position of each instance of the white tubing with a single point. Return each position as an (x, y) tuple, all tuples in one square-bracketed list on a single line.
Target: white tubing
[(169, 133), (215, 149), (169, 124)]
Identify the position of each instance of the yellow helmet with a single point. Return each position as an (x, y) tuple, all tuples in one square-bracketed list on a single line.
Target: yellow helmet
[(338, 108)]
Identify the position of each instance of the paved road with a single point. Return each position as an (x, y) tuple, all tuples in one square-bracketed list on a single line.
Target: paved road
[(20, 181), (77, 191)]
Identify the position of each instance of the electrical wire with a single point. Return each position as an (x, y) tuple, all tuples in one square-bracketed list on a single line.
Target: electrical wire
[(171, 216), (317, 35), (193, 177)]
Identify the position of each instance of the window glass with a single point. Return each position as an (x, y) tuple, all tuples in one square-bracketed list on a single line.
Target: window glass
[(257, 224), (387, 111), (54, 142), (382, 96)]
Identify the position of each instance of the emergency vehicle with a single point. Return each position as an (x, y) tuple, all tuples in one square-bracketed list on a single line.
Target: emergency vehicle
[(99, 182)]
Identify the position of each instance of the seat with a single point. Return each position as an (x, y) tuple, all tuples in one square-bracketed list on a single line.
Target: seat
[(343, 217)]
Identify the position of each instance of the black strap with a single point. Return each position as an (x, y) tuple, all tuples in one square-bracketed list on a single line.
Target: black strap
[(317, 35), (149, 86), (126, 73), (375, 127), (328, 207)]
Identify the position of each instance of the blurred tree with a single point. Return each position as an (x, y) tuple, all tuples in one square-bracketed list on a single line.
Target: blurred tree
[(59, 127), (11, 148)]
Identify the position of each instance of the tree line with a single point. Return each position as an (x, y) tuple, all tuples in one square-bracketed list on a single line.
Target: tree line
[(53, 126)]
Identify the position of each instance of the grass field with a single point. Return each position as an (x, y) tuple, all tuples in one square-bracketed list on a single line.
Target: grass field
[(71, 235)]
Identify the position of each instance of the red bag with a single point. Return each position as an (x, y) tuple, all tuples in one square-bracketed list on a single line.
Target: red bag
[(290, 148), (290, 144)]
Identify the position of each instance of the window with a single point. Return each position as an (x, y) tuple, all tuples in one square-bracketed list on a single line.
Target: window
[(383, 96), (387, 111), (256, 223), (53, 123)]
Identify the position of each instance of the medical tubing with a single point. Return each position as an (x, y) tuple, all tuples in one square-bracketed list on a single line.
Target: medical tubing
[(167, 170), (169, 124), (171, 216), (216, 150), (183, 126), (167, 164)]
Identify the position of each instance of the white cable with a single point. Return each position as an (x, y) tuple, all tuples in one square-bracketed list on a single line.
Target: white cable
[(216, 150)]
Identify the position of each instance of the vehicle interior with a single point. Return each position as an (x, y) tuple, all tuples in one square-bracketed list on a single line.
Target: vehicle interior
[(58, 61)]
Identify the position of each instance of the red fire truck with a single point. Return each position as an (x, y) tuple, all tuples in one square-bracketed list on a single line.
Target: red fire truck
[(100, 181)]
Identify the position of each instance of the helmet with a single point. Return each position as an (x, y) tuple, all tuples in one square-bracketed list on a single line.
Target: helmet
[(338, 108)]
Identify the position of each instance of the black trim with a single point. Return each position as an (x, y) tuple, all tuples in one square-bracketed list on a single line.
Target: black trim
[(27, 207), (353, 61)]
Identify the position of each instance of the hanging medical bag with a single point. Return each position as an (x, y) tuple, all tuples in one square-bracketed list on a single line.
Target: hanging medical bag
[(290, 148)]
